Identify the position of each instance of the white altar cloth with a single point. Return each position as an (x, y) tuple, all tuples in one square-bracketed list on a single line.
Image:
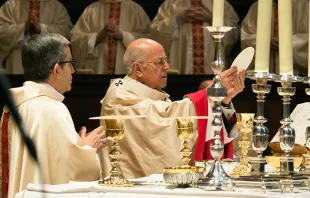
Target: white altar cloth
[(94, 190)]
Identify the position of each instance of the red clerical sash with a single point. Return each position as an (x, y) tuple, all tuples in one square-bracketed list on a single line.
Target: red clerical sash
[(4, 151), (114, 15), (198, 43), (202, 147), (34, 8)]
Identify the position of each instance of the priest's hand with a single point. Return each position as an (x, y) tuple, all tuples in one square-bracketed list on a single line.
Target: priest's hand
[(203, 14), (102, 35), (114, 31), (28, 25), (35, 22), (237, 86), (187, 16), (228, 76), (95, 139)]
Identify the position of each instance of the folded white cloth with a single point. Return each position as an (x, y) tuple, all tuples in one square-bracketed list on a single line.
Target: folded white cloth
[(66, 188)]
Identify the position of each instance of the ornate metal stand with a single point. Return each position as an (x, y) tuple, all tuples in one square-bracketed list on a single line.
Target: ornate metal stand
[(245, 126), (115, 130), (307, 90), (217, 176), (287, 133), (185, 131), (260, 131)]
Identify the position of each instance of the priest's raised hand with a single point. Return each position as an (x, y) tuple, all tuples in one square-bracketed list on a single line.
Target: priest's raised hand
[(95, 139)]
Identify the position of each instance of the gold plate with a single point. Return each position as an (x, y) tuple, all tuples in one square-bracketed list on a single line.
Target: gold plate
[(117, 117), (298, 149), (274, 161)]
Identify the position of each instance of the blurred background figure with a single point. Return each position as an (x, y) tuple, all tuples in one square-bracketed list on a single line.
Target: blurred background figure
[(300, 10), (20, 19), (103, 32), (178, 27)]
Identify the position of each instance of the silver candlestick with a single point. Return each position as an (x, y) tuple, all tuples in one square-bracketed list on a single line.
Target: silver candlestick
[(260, 131), (307, 90), (287, 133), (217, 176)]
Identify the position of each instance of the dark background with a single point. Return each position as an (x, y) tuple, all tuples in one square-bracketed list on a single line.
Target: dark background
[(83, 100), (76, 7)]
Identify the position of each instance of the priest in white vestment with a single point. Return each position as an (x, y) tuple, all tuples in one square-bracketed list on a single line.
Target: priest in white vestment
[(103, 32), (178, 26), (20, 19), (63, 155), (300, 11), (151, 143)]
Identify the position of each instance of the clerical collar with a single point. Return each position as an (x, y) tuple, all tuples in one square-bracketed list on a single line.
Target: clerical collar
[(142, 90), (57, 94)]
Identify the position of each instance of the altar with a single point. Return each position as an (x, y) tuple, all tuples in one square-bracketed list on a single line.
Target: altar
[(151, 190)]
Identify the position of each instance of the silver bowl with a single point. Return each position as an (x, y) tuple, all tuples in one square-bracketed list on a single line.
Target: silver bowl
[(182, 176)]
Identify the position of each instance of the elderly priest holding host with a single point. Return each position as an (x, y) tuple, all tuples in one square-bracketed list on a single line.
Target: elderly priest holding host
[(151, 143), (63, 155)]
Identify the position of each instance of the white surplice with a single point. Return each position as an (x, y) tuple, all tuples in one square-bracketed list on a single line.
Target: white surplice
[(133, 23), (178, 39), (60, 150), (54, 18)]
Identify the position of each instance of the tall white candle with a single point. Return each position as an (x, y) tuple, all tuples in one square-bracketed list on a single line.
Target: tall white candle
[(285, 37), (263, 36), (218, 13)]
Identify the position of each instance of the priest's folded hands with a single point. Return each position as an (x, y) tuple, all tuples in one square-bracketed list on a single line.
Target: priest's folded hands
[(95, 139)]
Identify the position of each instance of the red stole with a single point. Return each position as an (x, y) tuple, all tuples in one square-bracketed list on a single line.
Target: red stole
[(114, 15), (4, 145), (202, 147), (34, 7), (198, 43)]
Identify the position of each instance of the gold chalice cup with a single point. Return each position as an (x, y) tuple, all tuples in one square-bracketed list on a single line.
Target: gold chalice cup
[(185, 130), (184, 175), (115, 131), (245, 126)]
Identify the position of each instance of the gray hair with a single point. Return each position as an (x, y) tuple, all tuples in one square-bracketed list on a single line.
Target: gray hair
[(40, 53), (135, 54)]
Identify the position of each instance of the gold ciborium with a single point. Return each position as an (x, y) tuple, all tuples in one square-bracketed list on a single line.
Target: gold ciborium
[(115, 131), (245, 126), (184, 175)]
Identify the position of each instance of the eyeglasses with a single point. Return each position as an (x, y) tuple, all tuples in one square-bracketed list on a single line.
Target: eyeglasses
[(72, 63), (161, 62)]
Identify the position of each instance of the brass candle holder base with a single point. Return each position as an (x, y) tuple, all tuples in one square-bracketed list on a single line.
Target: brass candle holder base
[(115, 130)]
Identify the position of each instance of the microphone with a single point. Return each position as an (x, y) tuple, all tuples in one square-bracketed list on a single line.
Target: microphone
[(7, 99)]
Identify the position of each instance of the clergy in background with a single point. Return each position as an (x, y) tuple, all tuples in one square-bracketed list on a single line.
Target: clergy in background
[(299, 38), (103, 32), (178, 26), (63, 155), (151, 143), (20, 19)]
